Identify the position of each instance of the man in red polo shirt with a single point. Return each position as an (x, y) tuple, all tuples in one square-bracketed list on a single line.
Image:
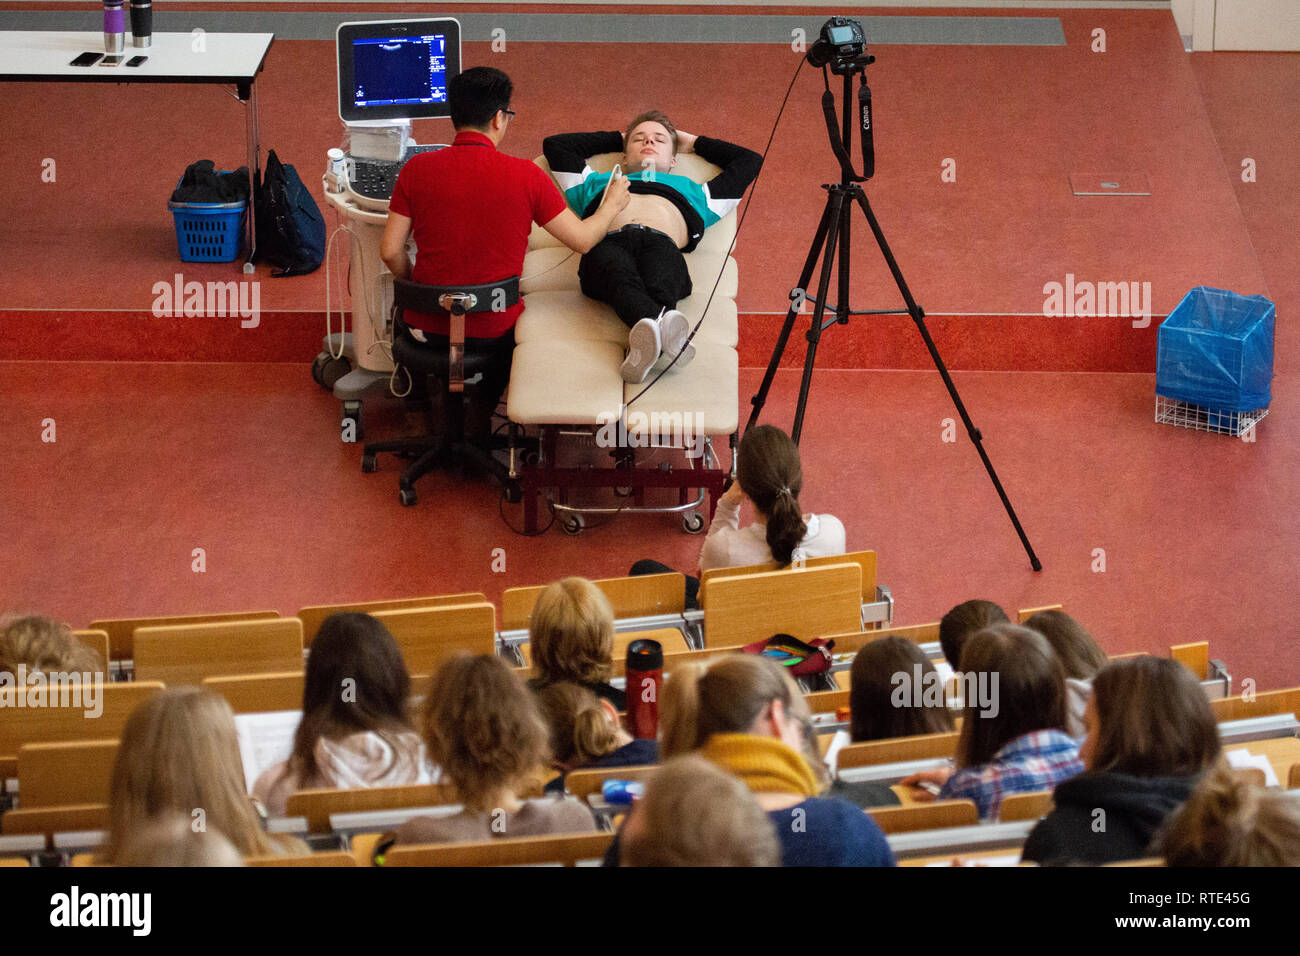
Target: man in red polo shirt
[(471, 208)]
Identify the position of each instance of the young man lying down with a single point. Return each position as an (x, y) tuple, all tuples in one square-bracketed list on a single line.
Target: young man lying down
[(638, 267)]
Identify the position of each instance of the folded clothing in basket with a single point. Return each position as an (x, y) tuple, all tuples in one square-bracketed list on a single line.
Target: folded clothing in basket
[(202, 183)]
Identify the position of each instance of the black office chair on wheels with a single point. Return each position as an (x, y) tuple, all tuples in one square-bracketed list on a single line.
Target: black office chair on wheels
[(455, 374)]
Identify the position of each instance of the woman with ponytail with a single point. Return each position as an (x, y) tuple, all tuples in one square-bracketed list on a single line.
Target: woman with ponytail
[(746, 715), (586, 733), (769, 475)]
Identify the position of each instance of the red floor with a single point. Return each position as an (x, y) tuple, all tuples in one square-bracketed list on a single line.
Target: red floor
[(1018, 121), (242, 459)]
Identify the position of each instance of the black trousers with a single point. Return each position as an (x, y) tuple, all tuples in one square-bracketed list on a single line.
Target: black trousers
[(637, 271), (484, 396)]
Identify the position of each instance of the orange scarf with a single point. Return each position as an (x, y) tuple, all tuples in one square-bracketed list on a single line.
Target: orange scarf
[(764, 764)]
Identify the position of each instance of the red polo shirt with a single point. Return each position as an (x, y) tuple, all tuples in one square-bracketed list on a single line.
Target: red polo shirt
[(471, 208)]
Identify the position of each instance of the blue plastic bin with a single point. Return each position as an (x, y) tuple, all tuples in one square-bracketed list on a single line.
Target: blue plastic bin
[(1215, 351), (209, 231)]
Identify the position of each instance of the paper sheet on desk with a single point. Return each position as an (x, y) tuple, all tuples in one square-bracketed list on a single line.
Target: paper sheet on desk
[(1241, 758), (265, 740)]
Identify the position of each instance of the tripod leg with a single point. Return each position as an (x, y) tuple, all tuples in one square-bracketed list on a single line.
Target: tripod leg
[(918, 316), (839, 209), (814, 252)]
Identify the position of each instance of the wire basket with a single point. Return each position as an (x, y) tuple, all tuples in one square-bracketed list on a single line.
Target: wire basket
[(1170, 411)]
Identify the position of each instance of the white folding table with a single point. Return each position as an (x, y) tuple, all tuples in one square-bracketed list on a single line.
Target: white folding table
[(43, 56)]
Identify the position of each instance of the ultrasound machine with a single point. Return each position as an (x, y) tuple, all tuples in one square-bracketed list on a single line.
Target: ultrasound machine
[(390, 72)]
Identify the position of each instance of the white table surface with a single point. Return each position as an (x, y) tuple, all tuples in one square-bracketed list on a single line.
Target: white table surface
[(43, 54)]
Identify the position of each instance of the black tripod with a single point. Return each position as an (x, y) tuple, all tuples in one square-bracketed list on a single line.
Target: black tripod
[(833, 233)]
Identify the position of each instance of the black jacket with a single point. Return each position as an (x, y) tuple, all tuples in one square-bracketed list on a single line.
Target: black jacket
[(1105, 817)]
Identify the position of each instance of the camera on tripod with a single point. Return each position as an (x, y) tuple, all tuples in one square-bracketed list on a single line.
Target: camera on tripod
[(842, 45)]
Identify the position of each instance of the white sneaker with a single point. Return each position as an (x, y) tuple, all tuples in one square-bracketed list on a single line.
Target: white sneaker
[(674, 330), (643, 348)]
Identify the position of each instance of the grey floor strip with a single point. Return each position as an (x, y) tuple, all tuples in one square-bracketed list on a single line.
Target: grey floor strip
[(586, 28)]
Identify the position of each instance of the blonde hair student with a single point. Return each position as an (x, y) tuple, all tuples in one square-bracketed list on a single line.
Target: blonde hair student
[(571, 638)]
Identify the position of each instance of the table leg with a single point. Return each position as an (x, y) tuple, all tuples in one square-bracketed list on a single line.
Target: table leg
[(254, 171)]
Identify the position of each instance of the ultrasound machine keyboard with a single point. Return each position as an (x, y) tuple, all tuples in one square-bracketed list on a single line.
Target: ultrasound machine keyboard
[(374, 179)]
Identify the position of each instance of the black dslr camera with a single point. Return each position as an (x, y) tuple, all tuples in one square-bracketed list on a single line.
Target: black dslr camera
[(842, 45)]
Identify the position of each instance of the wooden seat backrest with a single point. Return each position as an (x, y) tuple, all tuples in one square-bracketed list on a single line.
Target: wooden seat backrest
[(429, 637), (1195, 657), (672, 640), (323, 858), (806, 603), (583, 783), (1263, 704), (1025, 613), (58, 819), (1025, 806), (97, 641), (121, 631), (866, 560), (259, 693), (898, 749), (35, 725), (856, 640), (640, 595), (314, 616), (317, 805), (926, 816), (507, 851), (180, 654), (68, 772)]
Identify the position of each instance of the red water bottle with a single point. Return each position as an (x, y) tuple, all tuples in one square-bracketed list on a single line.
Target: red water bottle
[(645, 680)]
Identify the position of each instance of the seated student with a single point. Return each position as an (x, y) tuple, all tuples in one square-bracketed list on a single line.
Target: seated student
[(878, 713), (638, 267), (966, 619), (586, 733), (179, 755), (1013, 736), (768, 474), (43, 644), (356, 734), (696, 814), (1229, 822), (1080, 655), (571, 638), (1151, 737), (745, 714), (483, 729)]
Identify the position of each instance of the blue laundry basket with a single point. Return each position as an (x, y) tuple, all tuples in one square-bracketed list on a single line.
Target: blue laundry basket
[(209, 231)]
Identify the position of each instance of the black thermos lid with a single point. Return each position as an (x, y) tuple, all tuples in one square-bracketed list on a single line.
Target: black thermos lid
[(645, 655)]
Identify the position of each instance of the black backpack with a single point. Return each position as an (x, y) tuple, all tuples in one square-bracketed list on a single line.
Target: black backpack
[(290, 228)]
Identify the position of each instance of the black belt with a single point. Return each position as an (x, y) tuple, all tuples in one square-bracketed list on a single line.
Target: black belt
[(636, 226)]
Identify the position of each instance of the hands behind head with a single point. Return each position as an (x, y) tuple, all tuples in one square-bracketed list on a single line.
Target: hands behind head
[(685, 142)]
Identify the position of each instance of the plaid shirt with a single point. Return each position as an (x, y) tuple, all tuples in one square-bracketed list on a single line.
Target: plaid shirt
[(1036, 761)]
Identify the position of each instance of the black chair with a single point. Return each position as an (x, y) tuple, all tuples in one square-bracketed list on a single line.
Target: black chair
[(453, 375)]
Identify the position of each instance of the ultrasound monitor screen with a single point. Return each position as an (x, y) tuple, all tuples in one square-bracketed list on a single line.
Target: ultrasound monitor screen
[(396, 69)]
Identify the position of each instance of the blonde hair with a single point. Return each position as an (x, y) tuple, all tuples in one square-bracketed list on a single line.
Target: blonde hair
[(581, 730), (172, 841), (483, 729), (696, 814), (726, 697), (44, 644), (1229, 822), (571, 634), (179, 755)]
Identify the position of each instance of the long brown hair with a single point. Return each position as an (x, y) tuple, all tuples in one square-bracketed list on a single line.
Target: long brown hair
[(874, 685), (179, 755), (356, 648), (1153, 720), (1080, 655), (967, 618), (769, 472), (483, 729), (1030, 690)]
